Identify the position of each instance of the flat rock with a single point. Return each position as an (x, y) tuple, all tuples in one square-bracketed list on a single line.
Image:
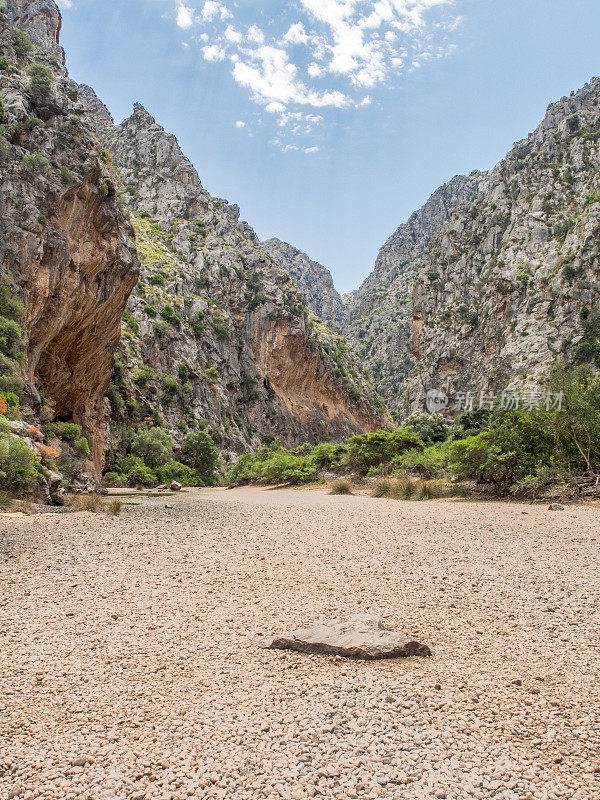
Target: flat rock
[(351, 636)]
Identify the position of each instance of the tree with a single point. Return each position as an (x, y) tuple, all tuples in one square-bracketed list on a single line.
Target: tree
[(199, 452), (153, 446)]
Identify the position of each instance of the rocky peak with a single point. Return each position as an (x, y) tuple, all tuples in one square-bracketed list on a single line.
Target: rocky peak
[(41, 20), (312, 279), (379, 313), (511, 282)]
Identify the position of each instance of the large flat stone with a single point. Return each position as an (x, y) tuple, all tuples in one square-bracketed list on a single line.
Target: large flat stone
[(351, 636)]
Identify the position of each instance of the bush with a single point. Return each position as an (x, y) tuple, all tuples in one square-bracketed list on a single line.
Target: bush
[(175, 471), (21, 43), (340, 487), (41, 83), (430, 428), (199, 452), (131, 321), (428, 463), (169, 315), (380, 448), (114, 480), (18, 464), (161, 329), (68, 177), (37, 163), (136, 473), (154, 446), (211, 374), (82, 447), (142, 376), (69, 431)]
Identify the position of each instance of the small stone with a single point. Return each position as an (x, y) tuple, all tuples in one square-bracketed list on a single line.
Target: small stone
[(556, 507), (175, 487), (15, 791)]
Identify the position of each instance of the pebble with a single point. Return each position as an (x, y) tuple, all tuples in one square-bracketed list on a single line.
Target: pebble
[(131, 671)]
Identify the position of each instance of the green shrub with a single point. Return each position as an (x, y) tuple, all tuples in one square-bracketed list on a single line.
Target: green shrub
[(40, 89), (21, 43), (37, 163), (175, 471), (68, 177), (154, 446), (157, 280), (18, 464), (199, 452), (69, 466), (169, 315), (69, 431), (428, 463), (131, 321), (142, 376), (430, 428), (82, 447), (171, 387), (160, 329), (220, 327), (211, 374), (114, 480), (149, 310), (134, 470), (380, 448)]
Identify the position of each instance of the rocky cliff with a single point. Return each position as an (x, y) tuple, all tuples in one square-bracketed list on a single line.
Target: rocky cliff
[(510, 284), (216, 334), (312, 280), (378, 320), (66, 249)]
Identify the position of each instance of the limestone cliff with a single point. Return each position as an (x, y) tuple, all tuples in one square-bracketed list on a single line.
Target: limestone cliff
[(379, 313), (511, 282), (216, 333), (312, 280), (66, 249)]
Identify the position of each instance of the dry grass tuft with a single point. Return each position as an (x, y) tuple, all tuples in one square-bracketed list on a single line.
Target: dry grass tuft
[(416, 489), (87, 502), (114, 508), (340, 487)]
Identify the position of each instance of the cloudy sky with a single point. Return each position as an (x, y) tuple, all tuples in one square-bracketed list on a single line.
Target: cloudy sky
[(330, 121)]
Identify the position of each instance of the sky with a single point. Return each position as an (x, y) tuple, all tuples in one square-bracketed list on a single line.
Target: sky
[(330, 121)]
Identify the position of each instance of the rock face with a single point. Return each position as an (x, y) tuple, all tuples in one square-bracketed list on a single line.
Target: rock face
[(313, 281), (356, 636), (66, 249), (42, 22), (511, 282), (216, 334), (379, 313)]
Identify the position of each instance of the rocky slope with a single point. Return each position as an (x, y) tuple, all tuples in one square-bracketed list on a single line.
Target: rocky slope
[(66, 249), (313, 281), (511, 283), (379, 314), (216, 334)]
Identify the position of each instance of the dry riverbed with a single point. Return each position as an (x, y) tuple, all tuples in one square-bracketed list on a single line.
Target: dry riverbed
[(129, 666)]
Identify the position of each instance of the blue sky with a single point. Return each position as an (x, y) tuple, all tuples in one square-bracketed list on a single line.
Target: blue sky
[(330, 121)]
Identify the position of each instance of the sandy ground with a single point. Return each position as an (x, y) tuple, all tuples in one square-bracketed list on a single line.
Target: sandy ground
[(129, 666)]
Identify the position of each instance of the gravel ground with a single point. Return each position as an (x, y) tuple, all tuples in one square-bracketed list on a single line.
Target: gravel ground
[(129, 666)]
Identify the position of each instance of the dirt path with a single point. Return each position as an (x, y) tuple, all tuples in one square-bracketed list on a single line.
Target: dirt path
[(129, 643)]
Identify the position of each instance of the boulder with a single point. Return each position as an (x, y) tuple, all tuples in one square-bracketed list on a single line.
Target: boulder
[(356, 636), (175, 487), (556, 507)]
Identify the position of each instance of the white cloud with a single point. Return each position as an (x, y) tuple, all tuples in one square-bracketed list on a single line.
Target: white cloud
[(65, 3), (185, 16), (213, 52), (255, 35), (296, 34), (272, 77), (311, 149), (320, 54), (213, 9), (232, 36), (240, 124)]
